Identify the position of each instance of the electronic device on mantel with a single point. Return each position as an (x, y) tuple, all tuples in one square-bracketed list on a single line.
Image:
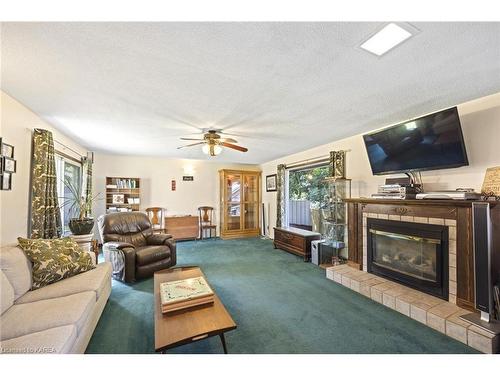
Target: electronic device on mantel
[(397, 188), (458, 194)]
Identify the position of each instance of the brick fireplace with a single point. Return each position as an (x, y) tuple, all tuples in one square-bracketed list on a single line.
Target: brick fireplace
[(412, 254), (452, 218), (416, 257)]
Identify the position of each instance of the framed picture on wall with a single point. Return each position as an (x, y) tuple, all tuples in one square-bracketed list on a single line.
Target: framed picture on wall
[(6, 181), (9, 164), (271, 182), (6, 149)]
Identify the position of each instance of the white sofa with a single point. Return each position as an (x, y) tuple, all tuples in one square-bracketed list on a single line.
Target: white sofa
[(58, 318)]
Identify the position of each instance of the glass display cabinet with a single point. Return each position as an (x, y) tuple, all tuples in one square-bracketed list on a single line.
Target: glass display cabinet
[(240, 201), (334, 218)]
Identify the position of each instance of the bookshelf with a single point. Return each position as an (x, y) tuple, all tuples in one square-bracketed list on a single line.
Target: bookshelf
[(123, 194)]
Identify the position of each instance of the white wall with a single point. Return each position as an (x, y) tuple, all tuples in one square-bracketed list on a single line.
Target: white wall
[(481, 127), (16, 125), (480, 121), (156, 175)]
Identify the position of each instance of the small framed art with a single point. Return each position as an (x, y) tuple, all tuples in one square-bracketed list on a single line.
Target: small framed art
[(6, 181), (6, 149), (9, 164), (118, 199), (271, 182)]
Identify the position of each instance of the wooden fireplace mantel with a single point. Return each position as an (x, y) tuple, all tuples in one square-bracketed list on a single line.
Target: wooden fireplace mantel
[(460, 211), (415, 202)]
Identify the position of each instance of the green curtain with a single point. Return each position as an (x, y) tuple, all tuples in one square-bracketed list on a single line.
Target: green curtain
[(45, 215), (280, 195), (87, 182)]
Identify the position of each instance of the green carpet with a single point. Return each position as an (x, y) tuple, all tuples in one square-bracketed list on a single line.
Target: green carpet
[(280, 304)]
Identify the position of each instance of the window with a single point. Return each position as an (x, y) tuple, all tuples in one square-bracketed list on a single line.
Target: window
[(66, 169), (307, 193)]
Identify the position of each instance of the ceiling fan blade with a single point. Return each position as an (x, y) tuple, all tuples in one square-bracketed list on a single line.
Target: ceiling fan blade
[(238, 148), (230, 140), (192, 144), (191, 139)]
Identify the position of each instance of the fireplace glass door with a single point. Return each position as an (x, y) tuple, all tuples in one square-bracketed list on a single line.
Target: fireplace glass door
[(410, 255), (413, 254)]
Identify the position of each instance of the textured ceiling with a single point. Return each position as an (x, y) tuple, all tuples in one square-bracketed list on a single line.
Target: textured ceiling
[(279, 88)]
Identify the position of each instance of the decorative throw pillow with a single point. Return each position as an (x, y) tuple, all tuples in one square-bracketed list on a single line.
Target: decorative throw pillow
[(55, 259)]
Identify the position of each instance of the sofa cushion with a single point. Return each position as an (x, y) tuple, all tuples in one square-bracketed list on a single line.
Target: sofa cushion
[(93, 280), (26, 318), (49, 341), (151, 254), (55, 259), (6, 292), (17, 268)]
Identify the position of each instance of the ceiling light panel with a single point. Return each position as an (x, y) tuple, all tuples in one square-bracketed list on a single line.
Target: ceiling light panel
[(386, 39)]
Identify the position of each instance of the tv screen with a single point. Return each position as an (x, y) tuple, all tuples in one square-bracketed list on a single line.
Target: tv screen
[(434, 141)]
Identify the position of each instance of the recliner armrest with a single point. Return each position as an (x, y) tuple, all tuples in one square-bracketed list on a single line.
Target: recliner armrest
[(128, 251), (159, 239), (129, 264), (117, 245)]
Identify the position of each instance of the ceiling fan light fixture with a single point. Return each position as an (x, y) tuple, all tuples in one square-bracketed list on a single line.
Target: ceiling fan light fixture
[(212, 150)]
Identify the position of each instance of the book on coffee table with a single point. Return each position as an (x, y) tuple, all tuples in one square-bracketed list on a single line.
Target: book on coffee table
[(182, 294)]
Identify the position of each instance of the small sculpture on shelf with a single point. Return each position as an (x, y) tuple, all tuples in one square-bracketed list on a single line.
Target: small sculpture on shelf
[(337, 164)]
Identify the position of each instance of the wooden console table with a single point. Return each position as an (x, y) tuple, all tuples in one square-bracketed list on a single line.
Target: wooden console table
[(294, 240), (443, 210), (182, 227)]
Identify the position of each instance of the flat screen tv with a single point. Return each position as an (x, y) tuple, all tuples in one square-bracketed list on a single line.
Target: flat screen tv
[(430, 142)]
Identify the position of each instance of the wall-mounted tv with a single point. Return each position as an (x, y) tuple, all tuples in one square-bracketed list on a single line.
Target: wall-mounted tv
[(430, 142)]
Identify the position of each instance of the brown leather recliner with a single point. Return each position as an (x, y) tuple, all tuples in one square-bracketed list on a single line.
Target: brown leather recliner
[(132, 248)]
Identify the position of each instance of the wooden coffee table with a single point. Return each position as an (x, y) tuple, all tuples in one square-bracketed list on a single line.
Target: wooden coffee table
[(189, 325)]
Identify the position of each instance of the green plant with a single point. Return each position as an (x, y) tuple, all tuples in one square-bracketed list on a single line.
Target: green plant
[(79, 202), (309, 184)]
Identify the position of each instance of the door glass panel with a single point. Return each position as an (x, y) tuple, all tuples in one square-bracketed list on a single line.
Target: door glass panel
[(233, 188), (233, 215), (251, 216), (251, 189)]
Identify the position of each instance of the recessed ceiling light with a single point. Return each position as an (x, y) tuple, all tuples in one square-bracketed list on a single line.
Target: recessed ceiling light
[(386, 39)]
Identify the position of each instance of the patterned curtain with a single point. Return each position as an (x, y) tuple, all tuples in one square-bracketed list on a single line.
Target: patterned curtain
[(87, 181), (280, 196), (45, 215)]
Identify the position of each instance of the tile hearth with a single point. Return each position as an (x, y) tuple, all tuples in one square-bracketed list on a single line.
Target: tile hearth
[(429, 310)]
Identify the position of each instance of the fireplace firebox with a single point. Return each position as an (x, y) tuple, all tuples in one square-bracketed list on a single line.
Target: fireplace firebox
[(414, 254)]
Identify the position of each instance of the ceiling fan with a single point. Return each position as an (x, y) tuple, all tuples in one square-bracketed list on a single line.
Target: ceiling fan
[(213, 142)]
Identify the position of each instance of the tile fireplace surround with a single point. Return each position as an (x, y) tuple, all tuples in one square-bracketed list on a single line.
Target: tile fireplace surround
[(452, 244), (429, 310)]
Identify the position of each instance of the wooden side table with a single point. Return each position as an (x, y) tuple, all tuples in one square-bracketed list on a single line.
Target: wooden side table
[(182, 227)]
